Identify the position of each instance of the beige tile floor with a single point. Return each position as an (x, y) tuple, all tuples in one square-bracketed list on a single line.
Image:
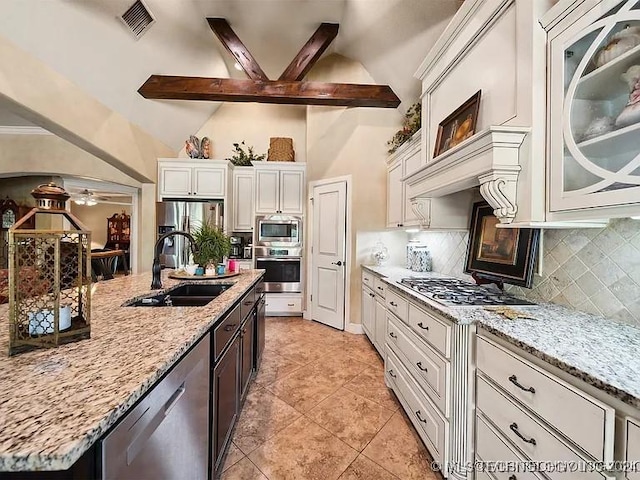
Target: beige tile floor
[(319, 409)]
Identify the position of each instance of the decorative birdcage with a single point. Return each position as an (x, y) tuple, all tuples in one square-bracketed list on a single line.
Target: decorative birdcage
[(49, 275)]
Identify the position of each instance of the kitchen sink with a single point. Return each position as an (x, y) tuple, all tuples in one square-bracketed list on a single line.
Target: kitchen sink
[(182, 296)]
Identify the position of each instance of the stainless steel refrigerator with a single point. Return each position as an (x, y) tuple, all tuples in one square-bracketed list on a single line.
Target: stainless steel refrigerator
[(185, 216)]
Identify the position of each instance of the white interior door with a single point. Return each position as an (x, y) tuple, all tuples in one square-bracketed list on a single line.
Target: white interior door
[(328, 255)]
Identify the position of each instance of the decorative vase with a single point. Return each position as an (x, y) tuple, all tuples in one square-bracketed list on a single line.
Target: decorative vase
[(199, 270), (631, 112)]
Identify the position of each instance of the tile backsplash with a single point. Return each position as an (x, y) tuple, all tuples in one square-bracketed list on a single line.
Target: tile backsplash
[(592, 270), (448, 251)]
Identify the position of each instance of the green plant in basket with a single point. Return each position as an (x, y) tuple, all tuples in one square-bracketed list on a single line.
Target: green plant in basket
[(213, 245)]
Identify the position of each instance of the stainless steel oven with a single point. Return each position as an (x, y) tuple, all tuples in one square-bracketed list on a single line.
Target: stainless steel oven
[(279, 230), (283, 268)]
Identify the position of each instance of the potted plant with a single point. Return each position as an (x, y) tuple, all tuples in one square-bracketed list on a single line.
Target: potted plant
[(243, 159), (213, 245)]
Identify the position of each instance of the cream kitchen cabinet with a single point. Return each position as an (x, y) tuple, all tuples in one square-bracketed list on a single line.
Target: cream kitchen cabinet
[(243, 198), (531, 410), (186, 179), (374, 311), (450, 212), (280, 188), (594, 152)]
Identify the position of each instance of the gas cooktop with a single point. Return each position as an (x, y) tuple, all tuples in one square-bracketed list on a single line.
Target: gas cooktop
[(452, 292)]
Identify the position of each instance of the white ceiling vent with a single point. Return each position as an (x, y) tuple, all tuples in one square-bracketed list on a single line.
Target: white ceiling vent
[(138, 18)]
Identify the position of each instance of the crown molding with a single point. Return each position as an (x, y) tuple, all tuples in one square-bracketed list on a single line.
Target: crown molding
[(23, 130)]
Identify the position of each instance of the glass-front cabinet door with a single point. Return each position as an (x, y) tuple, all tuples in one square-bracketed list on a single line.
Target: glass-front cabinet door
[(594, 109)]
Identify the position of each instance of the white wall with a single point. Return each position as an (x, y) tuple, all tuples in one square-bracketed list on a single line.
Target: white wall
[(351, 141), (254, 123)]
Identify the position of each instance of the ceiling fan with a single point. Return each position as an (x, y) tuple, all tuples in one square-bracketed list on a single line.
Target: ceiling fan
[(85, 197)]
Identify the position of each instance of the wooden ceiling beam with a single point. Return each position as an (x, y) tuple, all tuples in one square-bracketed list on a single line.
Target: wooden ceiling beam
[(280, 92), (310, 52), (232, 43)]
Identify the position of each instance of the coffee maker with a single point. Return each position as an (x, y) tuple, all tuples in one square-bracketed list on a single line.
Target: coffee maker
[(236, 247)]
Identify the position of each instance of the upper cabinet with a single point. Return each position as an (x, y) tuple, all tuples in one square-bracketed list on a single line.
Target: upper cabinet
[(280, 188), (185, 179), (594, 109), (556, 138), (243, 198), (403, 211)]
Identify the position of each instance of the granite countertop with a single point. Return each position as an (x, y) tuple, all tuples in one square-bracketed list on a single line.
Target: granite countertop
[(55, 403), (597, 350)]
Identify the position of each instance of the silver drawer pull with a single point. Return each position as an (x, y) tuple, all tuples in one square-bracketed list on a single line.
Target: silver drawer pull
[(393, 304), (422, 326), (390, 372), (420, 417), (419, 365), (290, 304), (513, 379), (393, 335), (174, 399), (514, 429)]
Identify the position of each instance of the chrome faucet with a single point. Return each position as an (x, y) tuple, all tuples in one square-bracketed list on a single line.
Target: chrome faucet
[(155, 269)]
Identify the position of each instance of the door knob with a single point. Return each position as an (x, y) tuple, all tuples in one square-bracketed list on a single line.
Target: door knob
[(338, 263)]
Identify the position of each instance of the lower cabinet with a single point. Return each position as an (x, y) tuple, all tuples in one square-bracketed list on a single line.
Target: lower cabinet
[(226, 401), (246, 353), (368, 313), (374, 311)]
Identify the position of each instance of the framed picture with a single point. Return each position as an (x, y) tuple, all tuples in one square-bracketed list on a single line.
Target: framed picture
[(501, 254), (458, 126)]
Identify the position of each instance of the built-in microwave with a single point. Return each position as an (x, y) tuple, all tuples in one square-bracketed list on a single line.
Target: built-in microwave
[(279, 230)]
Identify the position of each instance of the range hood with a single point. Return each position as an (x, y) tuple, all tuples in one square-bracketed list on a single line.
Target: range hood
[(489, 159)]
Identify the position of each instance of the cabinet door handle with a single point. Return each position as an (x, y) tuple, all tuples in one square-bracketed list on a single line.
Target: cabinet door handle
[(513, 379), (248, 302), (419, 365), (512, 477), (380, 288), (393, 335), (390, 372), (244, 331), (514, 429), (290, 304), (230, 327), (393, 304), (422, 326), (372, 295), (420, 417)]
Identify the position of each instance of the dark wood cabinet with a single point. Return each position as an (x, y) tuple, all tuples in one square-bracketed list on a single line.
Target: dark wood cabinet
[(246, 353), (259, 333), (226, 401), (118, 231)]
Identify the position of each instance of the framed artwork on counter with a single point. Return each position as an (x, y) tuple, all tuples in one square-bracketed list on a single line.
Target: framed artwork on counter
[(500, 254)]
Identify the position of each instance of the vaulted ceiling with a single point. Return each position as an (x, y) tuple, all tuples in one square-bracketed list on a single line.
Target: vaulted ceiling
[(85, 41)]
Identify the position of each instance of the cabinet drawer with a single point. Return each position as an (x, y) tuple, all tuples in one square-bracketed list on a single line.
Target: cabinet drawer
[(429, 370), (492, 447), (538, 443), (434, 331), (247, 302), (398, 305), (224, 332), (432, 428), (278, 303), (368, 278), (380, 288), (632, 449), (583, 419)]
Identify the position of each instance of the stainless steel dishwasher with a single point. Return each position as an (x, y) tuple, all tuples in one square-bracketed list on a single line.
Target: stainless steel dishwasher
[(166, 435)]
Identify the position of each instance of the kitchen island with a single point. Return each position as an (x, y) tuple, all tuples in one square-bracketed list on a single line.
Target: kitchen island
[(55, 404)]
